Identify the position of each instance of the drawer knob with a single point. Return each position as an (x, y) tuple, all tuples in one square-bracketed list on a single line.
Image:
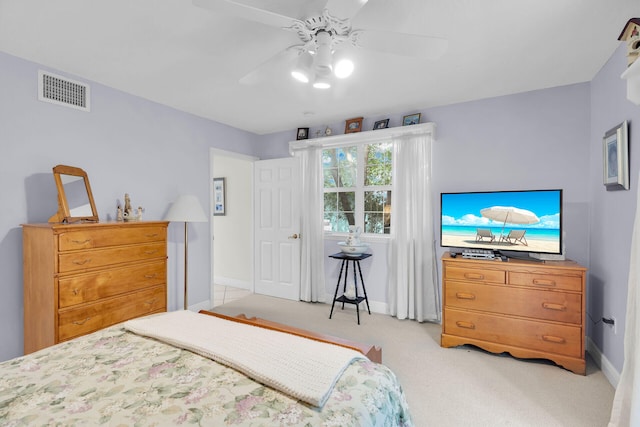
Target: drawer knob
[(554, 306), (553, 339), (151, 251), (465, 325), (544, 282), (81, 262), (76, 291), (463, 295), (81, 322), (474, 276), (151, 302), (150, 276), (152, 235)]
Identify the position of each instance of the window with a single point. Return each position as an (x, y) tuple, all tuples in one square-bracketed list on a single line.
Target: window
[(358, 187)]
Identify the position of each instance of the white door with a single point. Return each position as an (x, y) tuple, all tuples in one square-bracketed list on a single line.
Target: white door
[(277, 228)]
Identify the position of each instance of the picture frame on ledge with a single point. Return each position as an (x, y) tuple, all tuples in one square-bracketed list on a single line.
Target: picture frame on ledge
[(411, 119), (381, 124), (303, 133), (353, 125), (615, 157), (219, 197)]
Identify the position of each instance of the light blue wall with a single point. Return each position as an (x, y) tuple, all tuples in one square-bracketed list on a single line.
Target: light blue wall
[(126, 145), (543, 139), (612, 212)]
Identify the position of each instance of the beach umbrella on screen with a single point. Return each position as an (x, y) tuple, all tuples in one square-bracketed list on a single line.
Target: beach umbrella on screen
[(509, 215)]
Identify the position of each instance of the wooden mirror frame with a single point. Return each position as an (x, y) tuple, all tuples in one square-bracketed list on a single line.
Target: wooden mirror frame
[(64, 213)]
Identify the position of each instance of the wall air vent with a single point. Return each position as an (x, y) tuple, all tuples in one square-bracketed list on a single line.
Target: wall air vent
[(63, 91)]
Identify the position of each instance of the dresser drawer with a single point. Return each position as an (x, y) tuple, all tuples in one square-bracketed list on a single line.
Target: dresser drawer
[(83, 288), (90, 318), (547, 281), (100, 238), (537, 304), (475, 274), (84, 260), (542, 336)]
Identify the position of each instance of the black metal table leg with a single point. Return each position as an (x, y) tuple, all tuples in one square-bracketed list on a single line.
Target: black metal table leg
[(337, 287), (366, 299)]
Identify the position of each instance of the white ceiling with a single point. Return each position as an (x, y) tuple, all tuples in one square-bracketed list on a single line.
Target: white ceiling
[(190, 58)]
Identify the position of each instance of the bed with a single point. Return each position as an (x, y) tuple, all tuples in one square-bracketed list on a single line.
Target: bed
[(125, 375)]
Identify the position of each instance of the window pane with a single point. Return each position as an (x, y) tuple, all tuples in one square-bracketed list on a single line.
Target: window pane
[(378, 166), (340, 167), (330, 202), (377, 211), (373, 223), (330, 177), (339, 210)]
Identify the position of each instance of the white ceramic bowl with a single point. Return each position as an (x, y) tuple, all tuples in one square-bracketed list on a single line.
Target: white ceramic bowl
[(353, 249)]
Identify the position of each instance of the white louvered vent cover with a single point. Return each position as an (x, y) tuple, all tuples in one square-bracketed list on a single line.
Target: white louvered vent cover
[(63, 91)]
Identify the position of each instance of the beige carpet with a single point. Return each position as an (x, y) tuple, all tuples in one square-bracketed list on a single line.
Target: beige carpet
[(461, 386)]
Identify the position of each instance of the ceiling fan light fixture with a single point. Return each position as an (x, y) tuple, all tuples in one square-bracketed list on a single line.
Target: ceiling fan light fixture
[(343, 68), (300, 76), (321, 83), (302, 70)]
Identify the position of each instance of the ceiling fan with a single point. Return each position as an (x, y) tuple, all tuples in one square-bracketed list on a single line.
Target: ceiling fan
[(314, 59)]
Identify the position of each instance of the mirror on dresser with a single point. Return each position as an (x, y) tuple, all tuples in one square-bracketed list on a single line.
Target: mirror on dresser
[(75, 200)]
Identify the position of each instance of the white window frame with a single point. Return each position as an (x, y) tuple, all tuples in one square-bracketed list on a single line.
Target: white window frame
[(360, 188), (359, 138)]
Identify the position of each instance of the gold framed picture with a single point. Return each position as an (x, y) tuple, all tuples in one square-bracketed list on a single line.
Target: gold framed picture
[(411, 119), (353, 125)]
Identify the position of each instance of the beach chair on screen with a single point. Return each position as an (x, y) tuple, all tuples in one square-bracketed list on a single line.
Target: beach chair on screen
[(484, 233), (515, 236)]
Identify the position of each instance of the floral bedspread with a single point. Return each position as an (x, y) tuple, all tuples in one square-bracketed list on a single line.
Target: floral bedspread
[(114, 377)]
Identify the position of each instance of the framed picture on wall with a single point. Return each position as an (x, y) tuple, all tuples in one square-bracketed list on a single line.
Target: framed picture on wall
[(303, 133), (353, 125), (219, 197), (381, 124), (615, 158), (411, 119)]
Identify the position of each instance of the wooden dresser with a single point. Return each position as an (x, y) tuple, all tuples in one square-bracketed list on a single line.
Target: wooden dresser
[(529, 309), (79, 278)]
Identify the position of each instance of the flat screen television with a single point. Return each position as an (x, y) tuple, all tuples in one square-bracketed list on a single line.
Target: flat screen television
[(503, 221)]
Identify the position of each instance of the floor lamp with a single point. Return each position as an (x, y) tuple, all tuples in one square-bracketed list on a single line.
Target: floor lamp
[(186, 209)]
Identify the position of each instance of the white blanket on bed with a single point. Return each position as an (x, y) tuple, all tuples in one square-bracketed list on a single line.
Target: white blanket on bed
[(302, 368)]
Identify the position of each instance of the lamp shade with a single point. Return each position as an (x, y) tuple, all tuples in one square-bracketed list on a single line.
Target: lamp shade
[(186, 209)]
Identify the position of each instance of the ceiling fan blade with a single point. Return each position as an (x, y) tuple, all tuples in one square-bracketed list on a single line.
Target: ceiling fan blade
[(273, 67), (247, 12), (345, 8), (400, 43)]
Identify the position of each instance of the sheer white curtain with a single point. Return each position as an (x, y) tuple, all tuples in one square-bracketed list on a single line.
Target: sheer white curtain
[(311, 231), (626, 403), (413, 281)]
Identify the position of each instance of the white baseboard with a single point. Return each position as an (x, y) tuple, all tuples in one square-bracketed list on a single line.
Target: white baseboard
[(603, 363), (204, 305), (234, 283)]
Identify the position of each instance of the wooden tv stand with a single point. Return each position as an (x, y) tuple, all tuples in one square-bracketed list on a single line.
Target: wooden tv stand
[(528, 309)]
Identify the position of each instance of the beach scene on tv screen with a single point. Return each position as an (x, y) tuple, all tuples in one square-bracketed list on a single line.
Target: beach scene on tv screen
[(527, 221)]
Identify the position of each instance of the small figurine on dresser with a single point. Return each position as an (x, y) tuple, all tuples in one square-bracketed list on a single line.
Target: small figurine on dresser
[(128, 213)]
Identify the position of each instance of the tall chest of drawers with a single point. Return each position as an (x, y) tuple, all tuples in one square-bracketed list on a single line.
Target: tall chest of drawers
[(79, 278), (529, 309)]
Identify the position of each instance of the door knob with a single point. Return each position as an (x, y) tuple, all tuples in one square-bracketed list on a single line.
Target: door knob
[(293, 236)]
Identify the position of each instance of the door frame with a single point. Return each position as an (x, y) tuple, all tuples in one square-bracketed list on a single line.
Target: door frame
[(213, 153)]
